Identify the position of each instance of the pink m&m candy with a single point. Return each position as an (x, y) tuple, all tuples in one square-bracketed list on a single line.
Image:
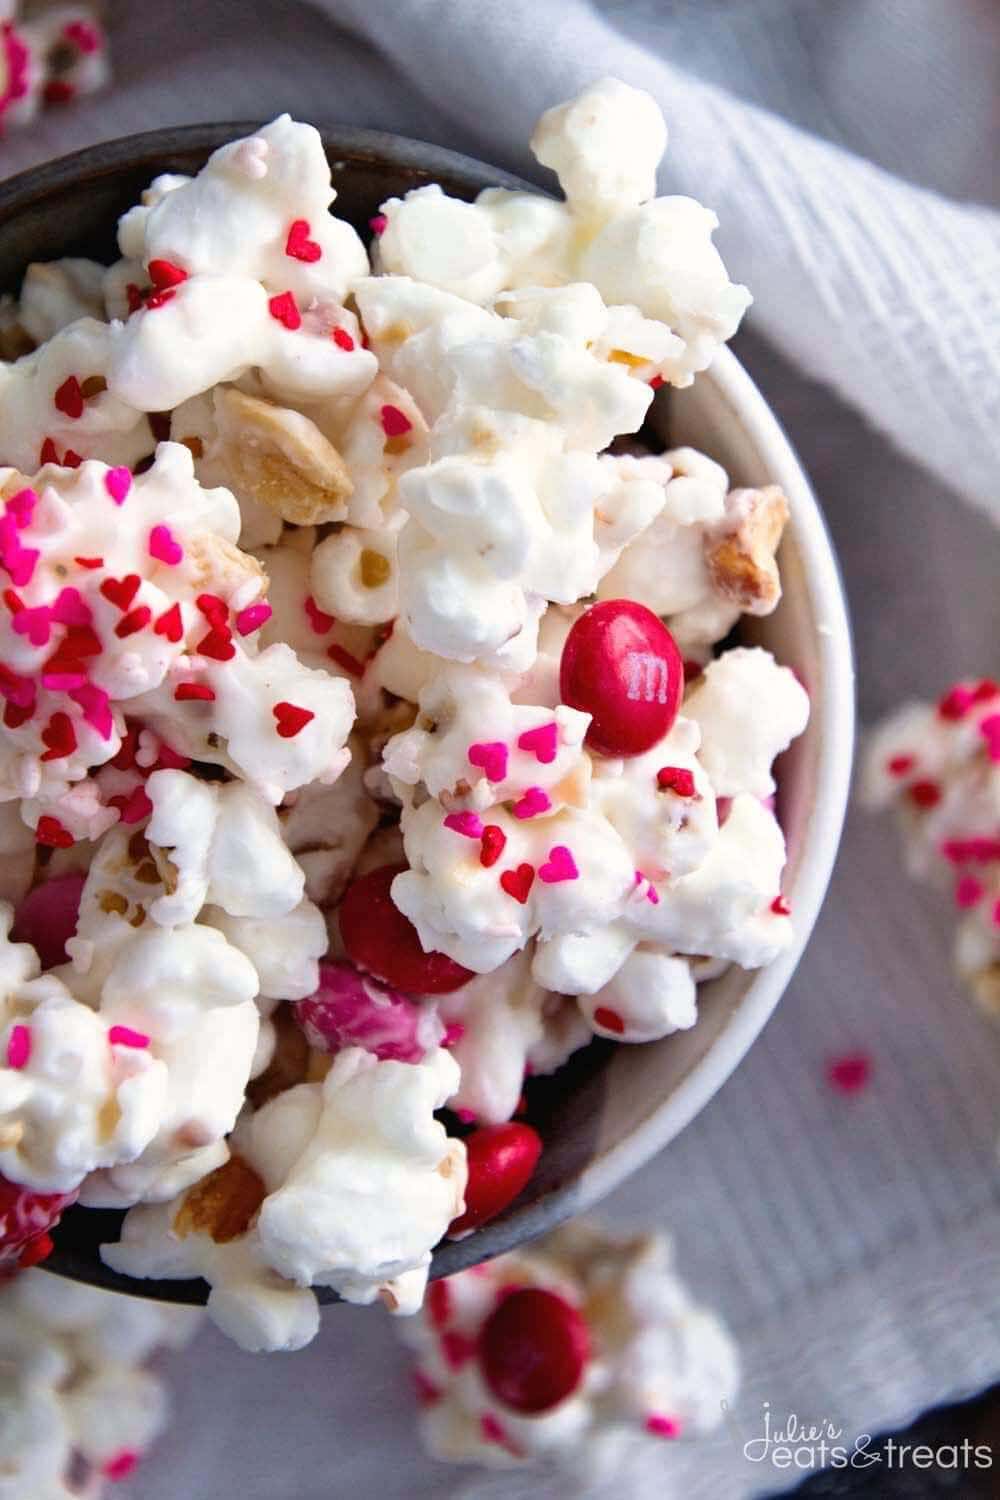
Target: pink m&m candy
[(620, 664), (533, 1350), (352, 1010), (47, 917), (25, 1220)]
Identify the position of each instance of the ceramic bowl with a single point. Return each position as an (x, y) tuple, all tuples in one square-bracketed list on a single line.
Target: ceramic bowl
[(612, 1107)]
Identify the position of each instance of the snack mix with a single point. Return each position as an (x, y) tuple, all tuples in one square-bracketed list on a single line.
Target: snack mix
[(366, 746), (49, 54), (568, 1353), (77, 1406), (938, 766)]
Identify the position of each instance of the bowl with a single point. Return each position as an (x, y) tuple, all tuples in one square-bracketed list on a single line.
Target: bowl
[(613, 1106)]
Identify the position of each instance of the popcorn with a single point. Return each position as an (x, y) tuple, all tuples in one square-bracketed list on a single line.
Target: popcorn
[(76, 1404), (288, 1212), (506, 1025), (281, 655), (72, 1099), (651, 1362), (633, 248), (51, 56), (249, 271), (938, 766), (56, 293), (748, 709), (377, 1185), (57, 401)]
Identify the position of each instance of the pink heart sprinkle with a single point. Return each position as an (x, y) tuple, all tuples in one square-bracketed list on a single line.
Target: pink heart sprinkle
[(20, 563), (469, 824), (121, 1466), (70, 608), (662, 1426), (989, 728), (253, 617), (466, 1116), (164, 546), (95, 703), (118, 482), (124, 1036), (21, 506), (63, 682), (491, 756), (35, 623), (968, 892), (533, 802), (19, 1047), (560, 866), (543, 742)]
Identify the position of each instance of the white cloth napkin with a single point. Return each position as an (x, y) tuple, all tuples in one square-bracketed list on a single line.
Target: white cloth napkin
[(853, 1243)]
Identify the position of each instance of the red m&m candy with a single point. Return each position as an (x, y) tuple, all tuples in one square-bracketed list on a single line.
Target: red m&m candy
[(620, 664), (533, 1350), (383, 942), (501, 1160)]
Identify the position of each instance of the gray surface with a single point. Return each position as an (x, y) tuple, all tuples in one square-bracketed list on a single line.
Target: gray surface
[(852, 1242)]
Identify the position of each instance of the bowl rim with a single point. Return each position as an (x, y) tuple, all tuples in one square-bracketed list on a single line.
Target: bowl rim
[(833, 692)]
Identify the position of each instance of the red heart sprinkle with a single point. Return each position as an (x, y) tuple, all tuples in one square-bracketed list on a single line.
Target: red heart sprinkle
[(676, 779), (494, 841), (518, 883), (291, 719), (298, 244), (136, 619), (69, 398), (193, 692), (51, 833), (49, 454), (59, 737), (343, 339), (218, 644), (163, 273), (285, 309), (121, 591), (170, 624), (394, 422), (158, 299), (608, 1020)]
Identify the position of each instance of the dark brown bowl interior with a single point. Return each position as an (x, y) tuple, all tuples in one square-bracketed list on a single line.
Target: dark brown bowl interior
[(71, 207)]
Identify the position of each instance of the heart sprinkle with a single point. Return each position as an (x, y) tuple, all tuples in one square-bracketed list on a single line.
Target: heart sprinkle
[(532, 803), (490, 756), (118, 482), (542, 742), (19, 1047), (164, 547), (394, 422), (69, 398), (291, 719), (285, 309), (298, 244), (51, 834), (494, 843), (559, 866), (518, 883), (468, 824)]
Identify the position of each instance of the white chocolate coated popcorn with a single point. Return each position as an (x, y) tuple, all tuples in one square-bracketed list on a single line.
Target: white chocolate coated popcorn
[(938, 766), (611, 232), (319, 631), (81, 1406), (660, 1365), (748, 709), (334, 1203)]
